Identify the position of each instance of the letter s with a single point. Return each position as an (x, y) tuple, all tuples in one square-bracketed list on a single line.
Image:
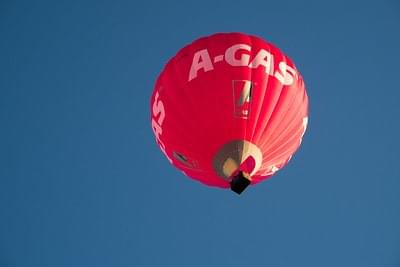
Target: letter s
[(158, 109), (285, 74)]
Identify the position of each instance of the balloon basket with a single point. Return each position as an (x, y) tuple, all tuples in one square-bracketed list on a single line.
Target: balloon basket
[(239, 183)]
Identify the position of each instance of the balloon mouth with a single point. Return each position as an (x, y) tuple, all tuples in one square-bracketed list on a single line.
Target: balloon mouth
[(235, 157)]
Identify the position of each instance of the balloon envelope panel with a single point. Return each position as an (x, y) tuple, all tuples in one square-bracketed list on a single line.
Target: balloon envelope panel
[(229, 102)]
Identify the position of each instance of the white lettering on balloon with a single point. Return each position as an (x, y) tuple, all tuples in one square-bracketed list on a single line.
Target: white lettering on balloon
[(158, 116), (238, 56)]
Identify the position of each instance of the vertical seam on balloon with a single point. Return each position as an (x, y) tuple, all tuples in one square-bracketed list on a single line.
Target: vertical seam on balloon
[(225, 40), (211, 171), (284, 134), (252, 93), (289, 133), (282, 87), (258, 113), (272, 142), (294, 118), (262, 128), (234, 124)]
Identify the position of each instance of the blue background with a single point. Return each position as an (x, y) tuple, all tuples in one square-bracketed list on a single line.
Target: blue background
[(83, 183)]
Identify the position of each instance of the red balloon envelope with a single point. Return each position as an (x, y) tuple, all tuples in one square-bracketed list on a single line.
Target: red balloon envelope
[(229, 110)]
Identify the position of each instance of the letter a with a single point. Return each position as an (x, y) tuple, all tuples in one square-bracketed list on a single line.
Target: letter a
[(201, 60)]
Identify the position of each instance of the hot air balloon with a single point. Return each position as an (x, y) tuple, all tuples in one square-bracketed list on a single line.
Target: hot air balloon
[(229, 110)]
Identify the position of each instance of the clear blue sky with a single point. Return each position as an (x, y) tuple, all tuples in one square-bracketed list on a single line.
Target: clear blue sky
[(83, 183)]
